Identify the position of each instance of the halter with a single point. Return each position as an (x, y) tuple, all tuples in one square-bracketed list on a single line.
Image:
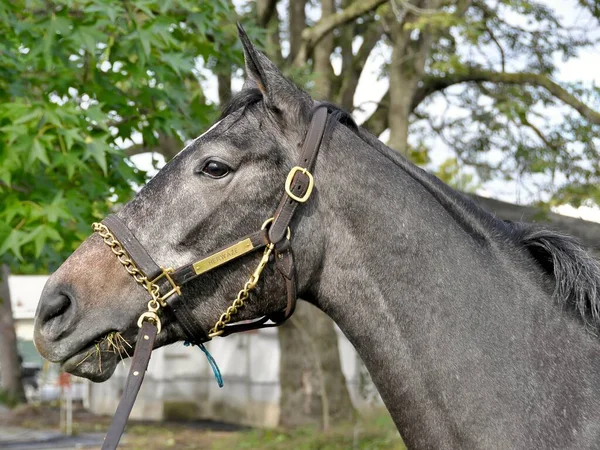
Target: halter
[(164, 284)]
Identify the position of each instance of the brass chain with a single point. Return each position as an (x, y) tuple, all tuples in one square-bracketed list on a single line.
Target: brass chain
[(242, 296), (152, 288)]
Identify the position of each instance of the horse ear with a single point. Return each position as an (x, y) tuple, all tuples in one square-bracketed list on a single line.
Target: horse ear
[(263, 74)]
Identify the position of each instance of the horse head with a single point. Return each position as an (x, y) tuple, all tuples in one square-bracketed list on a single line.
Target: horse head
[(223, 185)]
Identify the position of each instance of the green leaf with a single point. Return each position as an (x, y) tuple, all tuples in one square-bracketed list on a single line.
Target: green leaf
[(98, 151), (12, 243), (38, 151), (35, 114)]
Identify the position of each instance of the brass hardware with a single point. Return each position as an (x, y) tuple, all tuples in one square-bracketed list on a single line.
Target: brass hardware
[(242, 296), (166, 273), (268, 221), (225, 255), (288, 184), (150, 316)]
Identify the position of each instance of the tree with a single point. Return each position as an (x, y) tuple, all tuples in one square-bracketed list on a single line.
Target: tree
[(107, 74), (11, 381), (494, 63), (78, 82)]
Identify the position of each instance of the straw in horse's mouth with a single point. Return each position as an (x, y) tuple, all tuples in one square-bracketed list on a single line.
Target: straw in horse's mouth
[(114, 343)]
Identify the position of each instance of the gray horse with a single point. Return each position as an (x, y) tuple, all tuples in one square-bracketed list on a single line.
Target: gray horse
[(479, 334)]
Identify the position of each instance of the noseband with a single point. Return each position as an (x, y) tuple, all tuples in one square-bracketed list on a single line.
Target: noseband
[(164, 284)]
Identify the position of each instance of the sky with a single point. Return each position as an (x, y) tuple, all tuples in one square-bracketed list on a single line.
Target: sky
[(371, 88)]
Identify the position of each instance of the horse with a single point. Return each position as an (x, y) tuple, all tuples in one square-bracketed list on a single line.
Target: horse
[(478, 333)]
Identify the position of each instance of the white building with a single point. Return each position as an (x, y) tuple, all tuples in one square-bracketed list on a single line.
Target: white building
[(25, 291)]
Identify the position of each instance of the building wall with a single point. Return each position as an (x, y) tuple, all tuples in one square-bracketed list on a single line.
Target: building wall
[(180, 383)]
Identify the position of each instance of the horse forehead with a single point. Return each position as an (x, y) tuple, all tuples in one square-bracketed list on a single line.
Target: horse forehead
[(195, 141)]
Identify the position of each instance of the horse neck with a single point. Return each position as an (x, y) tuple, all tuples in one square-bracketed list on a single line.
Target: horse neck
[(417, 283)]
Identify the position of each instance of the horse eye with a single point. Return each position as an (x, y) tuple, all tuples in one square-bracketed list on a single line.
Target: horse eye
[(215, 169)]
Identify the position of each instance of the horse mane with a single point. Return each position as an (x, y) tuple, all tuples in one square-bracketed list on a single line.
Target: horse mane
[(575, 271), (242, 99)]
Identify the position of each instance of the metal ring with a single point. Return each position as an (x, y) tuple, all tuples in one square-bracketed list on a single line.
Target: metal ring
[(268, 221), (151, 317)]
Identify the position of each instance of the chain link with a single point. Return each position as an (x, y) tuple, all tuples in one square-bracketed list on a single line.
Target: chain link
[(116, 247), (242, 296)]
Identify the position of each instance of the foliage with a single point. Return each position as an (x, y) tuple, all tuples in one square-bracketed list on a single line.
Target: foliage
[(518, 131), (9, 399), (451, 173), (80, 80)]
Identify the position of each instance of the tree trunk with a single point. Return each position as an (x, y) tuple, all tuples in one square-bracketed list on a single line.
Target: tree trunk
[(323, 71), (224, 85), (402, 86), (297, 18), (410, 50), (313, 387), (10, 361)]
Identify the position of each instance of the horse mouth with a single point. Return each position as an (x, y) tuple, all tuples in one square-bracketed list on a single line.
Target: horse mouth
[(98, 359)]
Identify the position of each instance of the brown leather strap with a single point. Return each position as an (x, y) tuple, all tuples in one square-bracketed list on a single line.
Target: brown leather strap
[(284, 262), (183, 314), (132, 246), (139, 364), (310, 148)]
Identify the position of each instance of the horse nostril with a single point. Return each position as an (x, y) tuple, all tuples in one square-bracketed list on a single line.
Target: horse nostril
[(57, 306), (54, 313)]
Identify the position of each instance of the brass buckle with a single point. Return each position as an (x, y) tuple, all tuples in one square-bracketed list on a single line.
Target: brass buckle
[(166, 273), (288, 184)]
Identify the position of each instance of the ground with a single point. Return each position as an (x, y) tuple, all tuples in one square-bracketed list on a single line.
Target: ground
[(375, 432)]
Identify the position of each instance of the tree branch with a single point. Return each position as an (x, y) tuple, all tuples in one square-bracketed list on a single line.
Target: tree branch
[(14, 187), (435, 84), (311, 36), (352, 71), (265, 10), (525, 121)]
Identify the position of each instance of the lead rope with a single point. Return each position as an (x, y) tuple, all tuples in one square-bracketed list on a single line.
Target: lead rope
[(211, 362)]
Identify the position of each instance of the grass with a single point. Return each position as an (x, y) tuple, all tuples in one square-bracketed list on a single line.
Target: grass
[(114, 343), (9, 399), (376, 432), (372, 432)]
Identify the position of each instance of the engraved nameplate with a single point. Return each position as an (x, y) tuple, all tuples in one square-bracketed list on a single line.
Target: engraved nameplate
[(219, 258)]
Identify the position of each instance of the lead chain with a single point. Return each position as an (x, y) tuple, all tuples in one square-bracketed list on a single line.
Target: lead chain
[(242, 296)]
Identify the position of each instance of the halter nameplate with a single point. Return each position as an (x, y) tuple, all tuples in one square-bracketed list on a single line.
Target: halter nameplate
[(222, 257)]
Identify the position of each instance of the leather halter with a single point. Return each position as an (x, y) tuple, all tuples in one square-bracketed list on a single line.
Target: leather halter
[(163, 284)]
